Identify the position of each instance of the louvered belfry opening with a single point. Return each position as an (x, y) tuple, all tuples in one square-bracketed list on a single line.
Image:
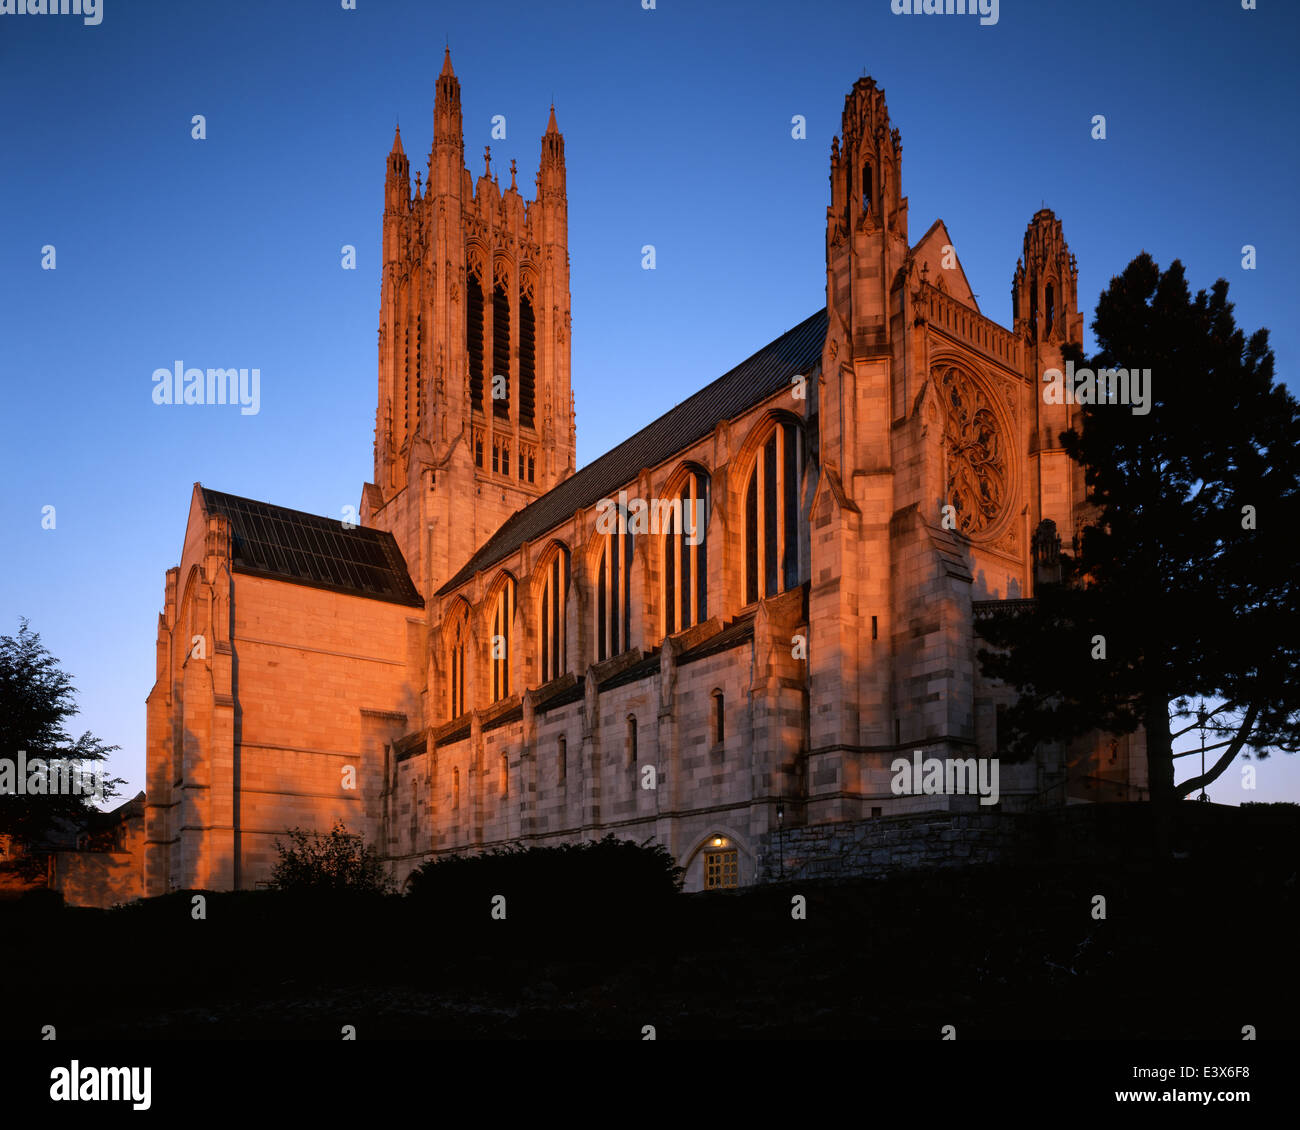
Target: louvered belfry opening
[(500, 351), (527, 362), (474, 339)]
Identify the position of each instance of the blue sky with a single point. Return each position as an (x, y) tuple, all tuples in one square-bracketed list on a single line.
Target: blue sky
[(677, 122)]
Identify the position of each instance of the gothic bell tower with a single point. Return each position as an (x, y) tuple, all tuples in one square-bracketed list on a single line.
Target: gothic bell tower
[(866, 246), (474, 416), (1046, 317)]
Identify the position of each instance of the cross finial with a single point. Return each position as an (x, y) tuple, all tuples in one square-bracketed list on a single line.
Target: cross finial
[(512, 172)]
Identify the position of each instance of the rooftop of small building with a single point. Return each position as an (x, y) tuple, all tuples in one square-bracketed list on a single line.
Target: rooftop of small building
[(306, 549)]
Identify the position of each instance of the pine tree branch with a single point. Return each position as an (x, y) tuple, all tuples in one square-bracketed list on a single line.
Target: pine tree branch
[(1234, 748)]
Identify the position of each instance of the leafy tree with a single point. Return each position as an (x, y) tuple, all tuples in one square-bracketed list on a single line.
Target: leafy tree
[(36, 700), (336, 860), (1186, 567)]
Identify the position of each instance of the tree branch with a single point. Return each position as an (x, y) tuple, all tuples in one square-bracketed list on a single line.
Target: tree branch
[(1234, 748), (1208, 715)]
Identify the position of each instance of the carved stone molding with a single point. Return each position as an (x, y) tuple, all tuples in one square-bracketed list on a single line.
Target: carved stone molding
[(975, 443)]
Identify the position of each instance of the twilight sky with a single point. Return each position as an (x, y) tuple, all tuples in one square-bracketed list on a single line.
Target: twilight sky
[(677, 121)]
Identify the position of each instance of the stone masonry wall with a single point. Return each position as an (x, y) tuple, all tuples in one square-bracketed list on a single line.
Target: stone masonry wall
[(883, 845)]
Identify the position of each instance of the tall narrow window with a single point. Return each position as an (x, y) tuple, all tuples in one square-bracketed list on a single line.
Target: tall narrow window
[(555, 596), (456, 668), (501, 351), (613, 608), (505, 776), (478, 451), (1049, 313), (866, 188), (562, 756), (719, 718), (455, 788), (772, 515), (527, 362), (686, 556), (631, 740), (503, 615), (474, 338)]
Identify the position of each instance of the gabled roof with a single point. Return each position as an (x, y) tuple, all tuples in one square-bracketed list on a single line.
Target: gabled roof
[(288, 545), (797, 351), (955, 281)]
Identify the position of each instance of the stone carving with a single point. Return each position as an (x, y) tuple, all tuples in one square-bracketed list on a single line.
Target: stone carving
[(973, 440)]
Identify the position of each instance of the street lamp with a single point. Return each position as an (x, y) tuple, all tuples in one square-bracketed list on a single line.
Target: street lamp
[(780, 838)]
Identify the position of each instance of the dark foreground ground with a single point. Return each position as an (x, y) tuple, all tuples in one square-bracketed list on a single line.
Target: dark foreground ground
[(1198, 948)]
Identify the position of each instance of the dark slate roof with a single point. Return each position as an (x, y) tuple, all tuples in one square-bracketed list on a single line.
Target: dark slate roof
[(797, 351), (734, 635), (288, 545)]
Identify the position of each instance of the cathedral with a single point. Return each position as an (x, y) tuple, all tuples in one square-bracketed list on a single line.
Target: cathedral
[(732, 623)]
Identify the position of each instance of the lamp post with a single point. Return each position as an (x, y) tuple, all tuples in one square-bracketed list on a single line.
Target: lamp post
[(780, 840), (1202, 718)]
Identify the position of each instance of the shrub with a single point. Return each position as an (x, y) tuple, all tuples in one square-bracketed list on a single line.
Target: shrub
[(569, 884), (336, 860)]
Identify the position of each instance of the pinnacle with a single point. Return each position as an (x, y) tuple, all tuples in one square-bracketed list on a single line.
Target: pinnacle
[(397, 141), (551, 127), (446, 63)]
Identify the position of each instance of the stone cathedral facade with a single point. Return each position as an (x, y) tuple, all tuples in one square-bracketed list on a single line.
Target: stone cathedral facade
[(732, 622)]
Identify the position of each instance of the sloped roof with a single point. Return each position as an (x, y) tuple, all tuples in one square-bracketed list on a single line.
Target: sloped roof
[(288, 545), (796, 351)]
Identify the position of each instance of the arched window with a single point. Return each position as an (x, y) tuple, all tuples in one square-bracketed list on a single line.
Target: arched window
[(1049, 313), (501, 354), (456, 666), (551, 617), (686, 560), (613, 607), (772, 515), (474, 337), (503, 617), (866, 188), (721, 864), (631, 740), (527, 364)]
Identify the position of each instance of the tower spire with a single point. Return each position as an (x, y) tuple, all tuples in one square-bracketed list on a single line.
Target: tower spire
[(446, 106)]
